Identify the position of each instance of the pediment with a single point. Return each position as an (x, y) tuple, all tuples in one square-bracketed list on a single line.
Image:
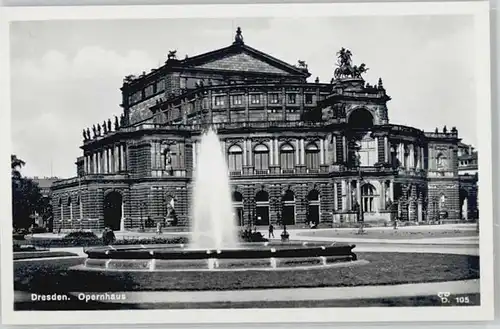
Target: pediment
[(245, 59), (242, 62)]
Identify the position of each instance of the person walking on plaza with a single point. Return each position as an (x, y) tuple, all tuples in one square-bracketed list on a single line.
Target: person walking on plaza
[(271, 231)]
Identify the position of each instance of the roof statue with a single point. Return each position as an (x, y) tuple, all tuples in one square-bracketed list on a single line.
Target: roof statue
[(238, 38), (172, 54), (345, 68), (302, 64)]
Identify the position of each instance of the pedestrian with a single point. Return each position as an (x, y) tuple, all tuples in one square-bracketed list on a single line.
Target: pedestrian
[(271, 231), (158, 228)]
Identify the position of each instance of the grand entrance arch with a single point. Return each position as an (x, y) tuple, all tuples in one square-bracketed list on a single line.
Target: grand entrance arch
[(113, 210)]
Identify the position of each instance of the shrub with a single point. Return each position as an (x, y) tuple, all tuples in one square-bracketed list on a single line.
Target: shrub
[(37, 229), (81, 235), (251, 236)]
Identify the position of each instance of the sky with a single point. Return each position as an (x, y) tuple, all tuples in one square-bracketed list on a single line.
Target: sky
[(66, 75)]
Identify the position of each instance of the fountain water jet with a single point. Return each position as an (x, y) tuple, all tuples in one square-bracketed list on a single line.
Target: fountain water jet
[(213, 220)]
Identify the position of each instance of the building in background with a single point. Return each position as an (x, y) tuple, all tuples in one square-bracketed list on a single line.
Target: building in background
[(298, 152), (45, 185), (468, 177)]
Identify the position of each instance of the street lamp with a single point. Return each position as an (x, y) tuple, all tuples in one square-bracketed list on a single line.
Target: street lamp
[(142, 207), (284, 235)]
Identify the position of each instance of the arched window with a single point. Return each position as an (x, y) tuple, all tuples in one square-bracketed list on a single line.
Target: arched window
[(368, 196), (235, 158), (288, 216), (287, 157), (312, 156), (313, 204), (261, 157), (70, 206)]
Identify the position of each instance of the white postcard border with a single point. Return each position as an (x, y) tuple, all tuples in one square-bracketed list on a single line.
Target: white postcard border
[(479, 9)]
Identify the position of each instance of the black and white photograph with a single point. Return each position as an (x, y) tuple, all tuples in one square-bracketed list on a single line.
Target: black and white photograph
[(247, 163)]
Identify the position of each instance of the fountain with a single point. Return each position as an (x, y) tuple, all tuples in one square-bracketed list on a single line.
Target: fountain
[(213, 225), (214, 244)]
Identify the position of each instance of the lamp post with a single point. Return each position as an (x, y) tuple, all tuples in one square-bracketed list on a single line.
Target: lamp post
[(284, 235), (142, 207)]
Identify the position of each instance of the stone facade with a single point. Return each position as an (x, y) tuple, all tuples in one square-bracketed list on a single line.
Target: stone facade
[(297, 152)]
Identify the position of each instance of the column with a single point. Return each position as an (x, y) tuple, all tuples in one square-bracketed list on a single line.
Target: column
[(271, 152), (382, 195), (344, 195), (412, 157), (223, 145), (376, 151), (98, 161), (94, 166), (85, 164), (335, 199), (276, 152), (422, 158), (244, 152), (106, 159), (348, 195), (358, 192), (194, 154), (122, 157), (297, 152), (117, 158), (302, 152), (344, 149), (250, 155), (322, 151), (122, 221), (387, 150), (391, 190), (334, 139)]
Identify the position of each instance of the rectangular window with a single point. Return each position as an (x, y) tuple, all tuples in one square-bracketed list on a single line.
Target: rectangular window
[(254, 99), (309, 98), (160, 85), (149, 91), (219, 100), (205, 103), (237, 99), (135, 97), (292, 98), (274, 98)]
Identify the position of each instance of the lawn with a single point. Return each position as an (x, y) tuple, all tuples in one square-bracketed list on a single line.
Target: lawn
[(390, 234), (51, 276)]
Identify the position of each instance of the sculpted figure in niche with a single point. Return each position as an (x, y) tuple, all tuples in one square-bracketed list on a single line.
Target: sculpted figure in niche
[(168, 161), (442, 201)]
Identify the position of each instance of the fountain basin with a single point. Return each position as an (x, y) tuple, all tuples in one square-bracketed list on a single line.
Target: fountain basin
[(264, 256)]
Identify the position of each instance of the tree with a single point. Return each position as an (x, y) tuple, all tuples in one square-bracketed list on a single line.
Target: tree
[(26, 197), (16, 164)]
